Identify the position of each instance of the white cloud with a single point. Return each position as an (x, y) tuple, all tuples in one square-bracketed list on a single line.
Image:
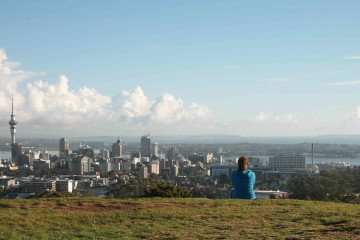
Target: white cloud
[(136, 104), (57, 104), (166, 109), (9, 76), (349, 83), (274, 119), (352, 57)]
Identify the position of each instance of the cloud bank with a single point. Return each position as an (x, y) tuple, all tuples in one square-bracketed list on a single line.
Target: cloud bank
[(352, 57), (45, 104), (348, 83)]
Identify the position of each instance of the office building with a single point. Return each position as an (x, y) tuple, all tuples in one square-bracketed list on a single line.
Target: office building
[(286, 163), (145, 149), (104, 154), (85, 150), (144, 172), (174, 171), (16, 152), (117, 149), (63, 147), (64, 185), (80, 165), (40, 164), (217, 169), (38, 185), (155, 150), (172, 153)]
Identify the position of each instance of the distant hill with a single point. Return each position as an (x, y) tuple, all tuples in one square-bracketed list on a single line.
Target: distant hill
[(95, 218)]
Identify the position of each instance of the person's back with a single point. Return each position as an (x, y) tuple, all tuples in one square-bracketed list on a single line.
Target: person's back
[(243, 184), (243, 180)]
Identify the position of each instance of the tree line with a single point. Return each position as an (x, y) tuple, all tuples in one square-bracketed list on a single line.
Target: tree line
[(341, 184)]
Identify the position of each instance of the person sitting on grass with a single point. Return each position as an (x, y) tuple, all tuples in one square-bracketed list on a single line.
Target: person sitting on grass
[(243, 180)]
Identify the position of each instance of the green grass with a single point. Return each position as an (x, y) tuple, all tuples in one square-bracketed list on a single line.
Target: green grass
[(94, 218)]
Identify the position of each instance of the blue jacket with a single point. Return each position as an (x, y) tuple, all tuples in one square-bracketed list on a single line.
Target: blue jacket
[(243, 184)]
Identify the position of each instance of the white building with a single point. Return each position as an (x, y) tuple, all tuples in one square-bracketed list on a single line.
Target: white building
[(154, 168), (208, 158), (155, 149), (286, 163)]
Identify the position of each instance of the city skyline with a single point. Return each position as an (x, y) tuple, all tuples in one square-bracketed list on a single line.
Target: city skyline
[(250, 69)]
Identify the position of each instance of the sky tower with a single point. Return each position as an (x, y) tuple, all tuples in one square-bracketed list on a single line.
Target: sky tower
[(12, 122), (16, 148)]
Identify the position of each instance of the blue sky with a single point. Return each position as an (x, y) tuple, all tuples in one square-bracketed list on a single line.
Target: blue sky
[(254, 68)]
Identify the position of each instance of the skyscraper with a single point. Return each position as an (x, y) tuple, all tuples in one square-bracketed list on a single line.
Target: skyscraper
[(155, 149), (117, 149), (63, 147), (145, 146)]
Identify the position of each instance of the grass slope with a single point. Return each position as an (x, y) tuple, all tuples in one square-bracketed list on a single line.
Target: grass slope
[(94, 218)]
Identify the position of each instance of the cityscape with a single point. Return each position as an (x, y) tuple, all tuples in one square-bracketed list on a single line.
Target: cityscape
[(201, 169)]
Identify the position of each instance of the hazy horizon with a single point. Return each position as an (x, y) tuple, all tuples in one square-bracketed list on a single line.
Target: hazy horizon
[(209, 139)]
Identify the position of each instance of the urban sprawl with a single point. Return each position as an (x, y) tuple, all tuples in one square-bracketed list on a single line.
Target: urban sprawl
[(100, 172)]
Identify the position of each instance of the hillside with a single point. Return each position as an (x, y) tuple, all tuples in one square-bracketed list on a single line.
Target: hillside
[(94, 218)]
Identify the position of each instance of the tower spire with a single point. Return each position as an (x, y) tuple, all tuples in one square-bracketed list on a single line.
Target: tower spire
[(12, 104), (12, 121)]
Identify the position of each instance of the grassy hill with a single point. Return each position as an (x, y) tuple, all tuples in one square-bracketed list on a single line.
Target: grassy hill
[(94, 218)]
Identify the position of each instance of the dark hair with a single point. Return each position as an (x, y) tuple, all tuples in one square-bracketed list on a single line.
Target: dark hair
[(243, 163)]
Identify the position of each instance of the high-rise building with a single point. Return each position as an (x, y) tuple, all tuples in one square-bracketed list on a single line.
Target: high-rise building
[(172, 153), (145, 146), (85, 150), (80, 165), (104, 154), (16, 151), (117, 149), (155, 150), (63, 147)]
